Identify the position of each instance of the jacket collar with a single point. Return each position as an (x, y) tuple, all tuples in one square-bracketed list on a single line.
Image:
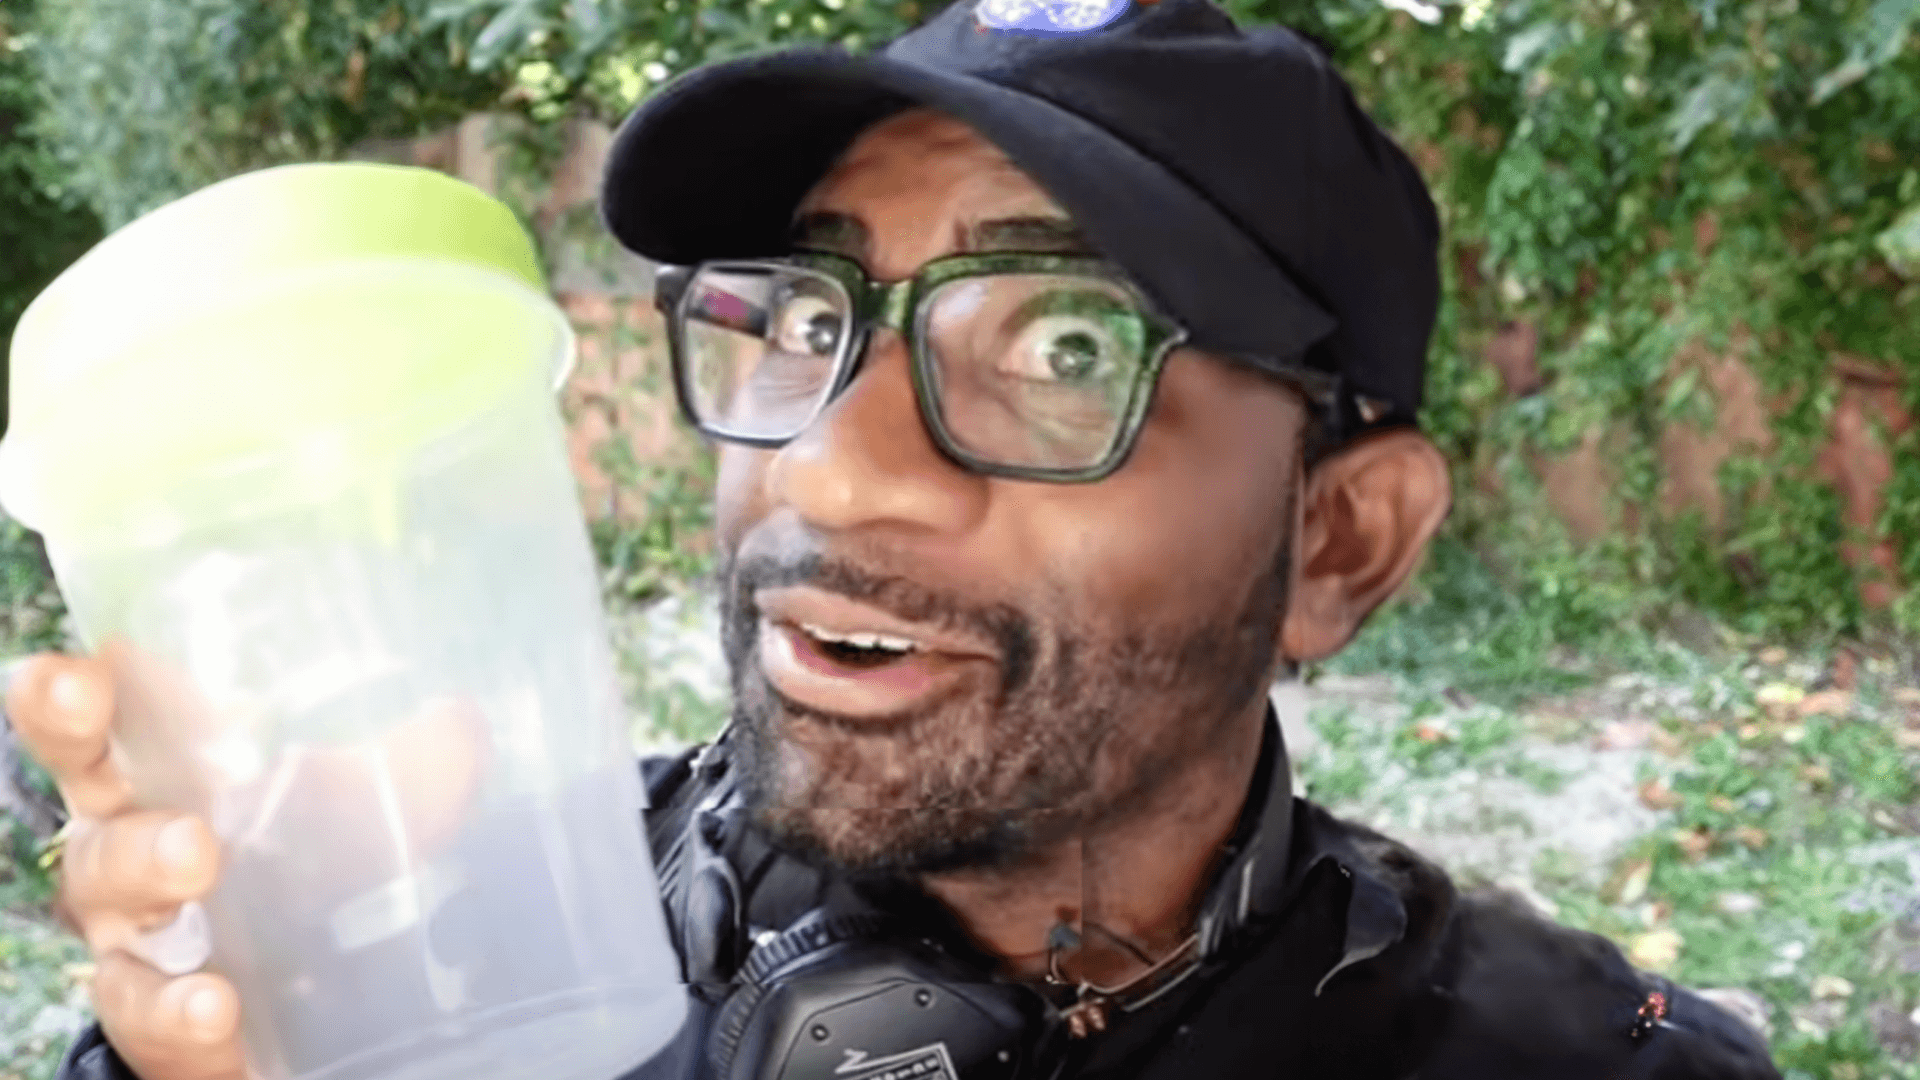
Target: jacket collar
[(1269, 857), (1266, 864)]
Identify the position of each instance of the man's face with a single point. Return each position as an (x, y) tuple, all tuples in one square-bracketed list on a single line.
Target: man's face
[(1073, 645)]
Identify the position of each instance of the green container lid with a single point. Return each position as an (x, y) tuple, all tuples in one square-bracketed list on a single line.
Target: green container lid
[(368, 307)]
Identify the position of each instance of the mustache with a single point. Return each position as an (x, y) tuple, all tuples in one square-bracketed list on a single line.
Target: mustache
[(1007, 627)]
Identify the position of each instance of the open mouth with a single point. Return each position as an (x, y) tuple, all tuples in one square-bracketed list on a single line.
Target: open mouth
[(852, 674), (864, 658), (834, 655), (858, 650)]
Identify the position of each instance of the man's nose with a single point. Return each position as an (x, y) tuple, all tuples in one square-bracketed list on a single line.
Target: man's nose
[(869, 459)]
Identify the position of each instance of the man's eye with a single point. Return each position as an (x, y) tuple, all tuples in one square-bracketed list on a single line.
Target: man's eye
[(1067, 349), (808, 326), (1073, 341)]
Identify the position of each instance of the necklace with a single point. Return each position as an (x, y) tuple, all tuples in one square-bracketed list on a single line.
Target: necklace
[(1088, 1013)]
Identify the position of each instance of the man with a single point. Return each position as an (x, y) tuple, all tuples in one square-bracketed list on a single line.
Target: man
[(1063, 362)]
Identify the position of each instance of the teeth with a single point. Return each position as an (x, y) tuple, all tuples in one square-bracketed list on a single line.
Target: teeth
[(860, 640)]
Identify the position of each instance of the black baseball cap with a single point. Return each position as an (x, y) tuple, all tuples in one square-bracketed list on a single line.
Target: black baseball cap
[(1228, 170)]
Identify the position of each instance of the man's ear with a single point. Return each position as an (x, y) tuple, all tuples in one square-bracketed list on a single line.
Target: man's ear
[(1366, 515)]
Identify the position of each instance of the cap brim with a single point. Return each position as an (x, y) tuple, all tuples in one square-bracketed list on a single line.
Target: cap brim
[(714, 165)]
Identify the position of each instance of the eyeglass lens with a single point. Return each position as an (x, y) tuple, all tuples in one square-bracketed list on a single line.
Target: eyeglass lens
[(760, 347), (1030, 370)]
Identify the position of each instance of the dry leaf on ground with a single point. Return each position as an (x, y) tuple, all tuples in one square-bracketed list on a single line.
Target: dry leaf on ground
[(1744, 1004), (1694, 843), (1826, 703), (1656, 950), (1630, 882), (1625, 735), (1656, 795), (1831, 987), (1779, 697)]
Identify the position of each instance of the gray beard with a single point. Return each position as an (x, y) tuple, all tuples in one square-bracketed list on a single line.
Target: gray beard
[(1075, 729)]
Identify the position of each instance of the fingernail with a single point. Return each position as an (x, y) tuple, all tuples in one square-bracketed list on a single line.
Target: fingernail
[(178, 844), (70, 692), (205, 1011)]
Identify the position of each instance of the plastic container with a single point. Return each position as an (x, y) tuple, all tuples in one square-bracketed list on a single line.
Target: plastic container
[(293, 445)]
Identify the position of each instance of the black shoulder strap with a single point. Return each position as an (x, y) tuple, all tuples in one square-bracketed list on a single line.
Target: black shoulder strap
[(722, 884), (699, 891), (672, 791), (91, 1058)]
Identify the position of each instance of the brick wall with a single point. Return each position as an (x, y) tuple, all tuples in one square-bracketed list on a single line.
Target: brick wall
[(1867, 420), (619, 400)]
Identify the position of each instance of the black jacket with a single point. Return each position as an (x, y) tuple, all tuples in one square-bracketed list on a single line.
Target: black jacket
[(1330, 951)]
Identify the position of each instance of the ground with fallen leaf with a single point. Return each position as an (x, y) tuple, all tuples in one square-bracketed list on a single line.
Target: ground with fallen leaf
[(1740, 825)]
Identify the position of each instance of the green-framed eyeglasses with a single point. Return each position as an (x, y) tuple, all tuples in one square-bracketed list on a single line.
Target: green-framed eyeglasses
[(1033, 366)]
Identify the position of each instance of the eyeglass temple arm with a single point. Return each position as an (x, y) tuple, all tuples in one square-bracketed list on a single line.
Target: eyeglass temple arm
[(669, 285), (1321, 388)]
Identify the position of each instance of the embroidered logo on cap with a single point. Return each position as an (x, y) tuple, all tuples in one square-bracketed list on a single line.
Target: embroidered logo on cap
[(1049, 16)]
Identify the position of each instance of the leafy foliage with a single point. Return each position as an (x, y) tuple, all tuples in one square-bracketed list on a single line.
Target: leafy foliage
[(640, 562), (1633, 178), (43, 225), (603, 55), (31, 611), (43, 995), (1648, 182), (151, 99)]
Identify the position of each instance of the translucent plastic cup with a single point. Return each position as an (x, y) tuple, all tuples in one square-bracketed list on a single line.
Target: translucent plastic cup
[(293, 445)]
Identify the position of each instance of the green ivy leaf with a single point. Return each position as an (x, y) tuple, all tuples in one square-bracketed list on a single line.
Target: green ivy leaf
[(1680, 393), (442, 12), (508, 32), (1527, 45), (1718, 98), (1900, 244), (1855, 69), (1881, 37)]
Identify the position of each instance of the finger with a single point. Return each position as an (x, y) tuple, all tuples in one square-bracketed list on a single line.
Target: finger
[(138, 866), (169, 1029), (62, 707)]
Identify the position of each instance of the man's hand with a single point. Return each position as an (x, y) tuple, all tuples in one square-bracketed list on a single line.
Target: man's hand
[(126, 871)]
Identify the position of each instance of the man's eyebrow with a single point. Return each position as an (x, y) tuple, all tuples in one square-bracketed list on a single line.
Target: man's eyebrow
[(1052, 235), (832, 231)]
